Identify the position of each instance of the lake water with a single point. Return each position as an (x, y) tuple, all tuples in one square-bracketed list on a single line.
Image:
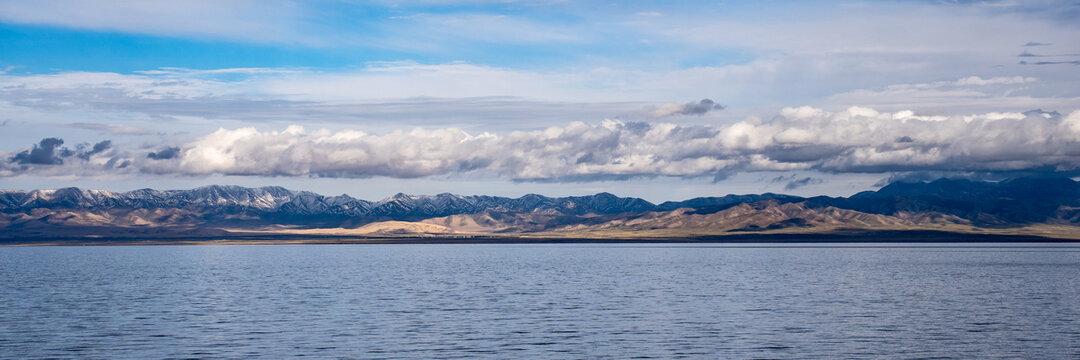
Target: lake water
[(555, 301)]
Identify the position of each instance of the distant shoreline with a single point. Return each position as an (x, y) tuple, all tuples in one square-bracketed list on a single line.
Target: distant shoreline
[(916, 236)]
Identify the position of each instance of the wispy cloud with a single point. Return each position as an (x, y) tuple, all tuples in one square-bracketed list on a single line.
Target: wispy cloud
[(1000, 80), (111, 128), (1069, 62), (793, 181), (967, 94), (798, 183), (494, 28)]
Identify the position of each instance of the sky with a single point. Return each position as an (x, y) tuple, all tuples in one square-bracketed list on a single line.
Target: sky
[(659, 100)]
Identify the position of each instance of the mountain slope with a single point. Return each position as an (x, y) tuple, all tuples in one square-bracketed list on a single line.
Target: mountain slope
[(944, 204)]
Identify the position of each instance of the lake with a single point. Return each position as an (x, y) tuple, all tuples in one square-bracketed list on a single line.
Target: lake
[(555, 301)]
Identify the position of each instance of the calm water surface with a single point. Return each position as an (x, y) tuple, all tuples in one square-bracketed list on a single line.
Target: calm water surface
[(554, 301)]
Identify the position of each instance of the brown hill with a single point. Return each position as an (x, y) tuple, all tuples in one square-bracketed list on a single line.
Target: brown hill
[(764, 216)]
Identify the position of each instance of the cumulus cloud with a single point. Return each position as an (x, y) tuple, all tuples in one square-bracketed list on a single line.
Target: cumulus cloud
[(47, 152), (50, 158), (691, 108), (856, 140)]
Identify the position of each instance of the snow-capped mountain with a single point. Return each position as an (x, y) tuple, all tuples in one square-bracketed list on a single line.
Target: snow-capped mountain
[(280, 201), (215, 211)]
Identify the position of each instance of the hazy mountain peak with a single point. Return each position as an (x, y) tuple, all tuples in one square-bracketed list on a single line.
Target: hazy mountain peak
[(1043, 113)]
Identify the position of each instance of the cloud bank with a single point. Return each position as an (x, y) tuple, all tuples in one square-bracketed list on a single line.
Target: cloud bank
[(856, 140)]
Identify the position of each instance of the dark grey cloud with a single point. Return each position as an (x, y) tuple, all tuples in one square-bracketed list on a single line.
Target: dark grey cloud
[(783, 178), (164, 154), (97, 149), (798, 183), (691, 108), (51, 152), (1063, 12), (701, 107), (1072, 62), (793, 181), (117, 163), (722, 175), (797, 153), (1029, 54), (47, 152), (1034, 43)]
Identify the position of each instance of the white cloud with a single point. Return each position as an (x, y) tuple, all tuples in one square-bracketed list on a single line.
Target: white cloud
[(1001, 80), (855, 140)]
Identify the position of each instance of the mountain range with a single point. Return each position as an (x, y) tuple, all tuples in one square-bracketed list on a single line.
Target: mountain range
[(1048, 207)]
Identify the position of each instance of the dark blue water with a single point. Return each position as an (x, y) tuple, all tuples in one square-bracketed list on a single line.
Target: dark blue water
[(541, 301)]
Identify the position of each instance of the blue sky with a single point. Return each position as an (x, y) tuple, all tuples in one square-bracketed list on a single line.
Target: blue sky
[(340, 36), (554, 97)]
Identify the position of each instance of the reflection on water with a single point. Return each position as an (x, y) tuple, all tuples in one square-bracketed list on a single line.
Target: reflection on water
[(541, 301)]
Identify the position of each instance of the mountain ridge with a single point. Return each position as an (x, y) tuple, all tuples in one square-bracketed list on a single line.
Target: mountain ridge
[(220, 210)]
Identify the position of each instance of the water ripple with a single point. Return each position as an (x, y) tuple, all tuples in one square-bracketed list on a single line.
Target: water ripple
[(541, 301)]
